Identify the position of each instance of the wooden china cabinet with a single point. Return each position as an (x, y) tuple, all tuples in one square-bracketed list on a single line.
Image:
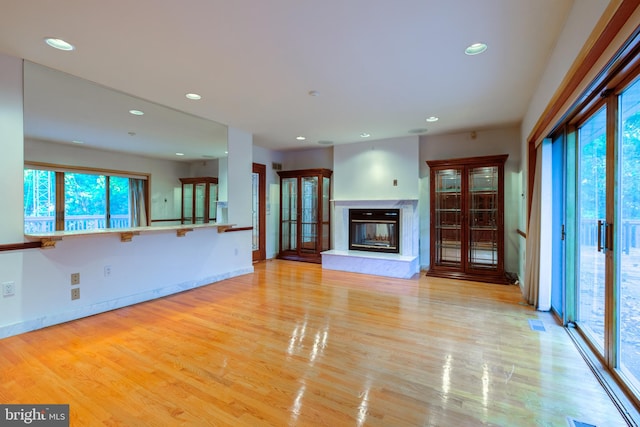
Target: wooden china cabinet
[(467, 218), (199, 198), (305, 224)]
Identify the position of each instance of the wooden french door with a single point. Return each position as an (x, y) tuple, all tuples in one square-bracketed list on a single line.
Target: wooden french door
[(259, 211)]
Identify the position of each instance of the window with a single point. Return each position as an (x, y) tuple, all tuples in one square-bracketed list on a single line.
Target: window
[(64, 198), (39, 201)]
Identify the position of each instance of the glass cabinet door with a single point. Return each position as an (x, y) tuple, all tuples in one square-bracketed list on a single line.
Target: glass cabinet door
[(305, 219), (289, 214), (187, 203), (483, 215), (199, 199), (326, 229), (309, 220), (199, 194), (213, 202), (467, 230), (448, 219)]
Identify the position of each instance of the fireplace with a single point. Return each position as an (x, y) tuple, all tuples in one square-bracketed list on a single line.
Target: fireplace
[(374, 230)]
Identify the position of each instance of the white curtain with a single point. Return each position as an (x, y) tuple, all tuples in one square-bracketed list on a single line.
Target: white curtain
[(532, 268), (138, 207)]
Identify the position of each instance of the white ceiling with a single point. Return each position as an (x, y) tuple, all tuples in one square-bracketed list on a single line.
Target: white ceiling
[(380, 66)]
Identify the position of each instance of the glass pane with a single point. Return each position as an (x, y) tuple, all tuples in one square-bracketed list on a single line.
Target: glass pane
[(39, 201), (326, 216), (119, 202), (289, 214), (447, 217), (591, 208), (309, 238), (483, 211), (187, 203), (200, 199), (213, 202), (629, 234), (84, 201), (326, 188), (255, 209)]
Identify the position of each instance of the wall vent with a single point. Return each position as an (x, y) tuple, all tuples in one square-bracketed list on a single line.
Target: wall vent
[(276, 166)]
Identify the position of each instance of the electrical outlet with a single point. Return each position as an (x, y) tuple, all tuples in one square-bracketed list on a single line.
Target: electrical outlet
[(75, 279), (75, 293), (107, 270), (8, 289)]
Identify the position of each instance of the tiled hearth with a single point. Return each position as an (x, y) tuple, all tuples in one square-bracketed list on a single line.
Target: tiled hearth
[(402, 265)]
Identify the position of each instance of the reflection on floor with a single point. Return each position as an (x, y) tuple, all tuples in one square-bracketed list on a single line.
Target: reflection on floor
[(292, 344)]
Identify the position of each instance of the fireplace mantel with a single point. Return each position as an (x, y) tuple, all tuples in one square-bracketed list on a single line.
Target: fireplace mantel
[(403, 264)]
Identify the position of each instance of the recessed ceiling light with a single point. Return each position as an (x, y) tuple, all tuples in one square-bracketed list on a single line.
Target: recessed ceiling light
[(193, 96), (75, 141), (226, 152), (136, 112), (313, 93), (475, 49), (59, 44), (432, 119), (364, 135), (179, 154), (300, 138)]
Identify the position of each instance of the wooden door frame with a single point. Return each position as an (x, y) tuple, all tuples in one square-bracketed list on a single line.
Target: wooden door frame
[(261, 254)]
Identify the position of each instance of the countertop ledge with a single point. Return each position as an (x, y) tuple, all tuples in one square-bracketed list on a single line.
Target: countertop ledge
[(48, 240)]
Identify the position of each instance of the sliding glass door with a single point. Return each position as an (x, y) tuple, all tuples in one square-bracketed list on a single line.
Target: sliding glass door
[(627, 252), (591, 212), (607, 221)]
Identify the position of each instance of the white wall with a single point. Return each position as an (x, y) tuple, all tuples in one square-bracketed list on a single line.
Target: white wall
[(367, 170), (240, 167), (239, 170), (580, 23), (207, 167), (486, 143), (311, 158), (267, 157), (152, 265)]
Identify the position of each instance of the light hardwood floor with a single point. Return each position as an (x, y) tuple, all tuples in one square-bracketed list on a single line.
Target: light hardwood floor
[(292, 344)]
